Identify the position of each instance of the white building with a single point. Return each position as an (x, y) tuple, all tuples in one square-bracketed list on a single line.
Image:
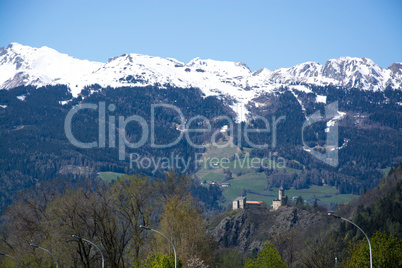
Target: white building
[(239, 202)]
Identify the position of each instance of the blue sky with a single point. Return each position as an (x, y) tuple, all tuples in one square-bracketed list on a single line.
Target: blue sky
[(269, 34)]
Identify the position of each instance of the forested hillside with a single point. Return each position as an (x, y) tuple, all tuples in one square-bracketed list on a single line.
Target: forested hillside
[(35, 147), (379, 208)]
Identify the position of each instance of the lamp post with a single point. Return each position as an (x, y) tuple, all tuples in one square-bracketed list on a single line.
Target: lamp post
[(3, 254), (368, 240), (174, 249), (35, 246), (80, 238)]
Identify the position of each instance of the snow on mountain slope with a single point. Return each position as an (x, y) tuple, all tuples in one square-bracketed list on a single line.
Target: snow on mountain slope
[(212, 77), (355, 72), (24, 65), (396, 74), (220, 68), (346, 72)]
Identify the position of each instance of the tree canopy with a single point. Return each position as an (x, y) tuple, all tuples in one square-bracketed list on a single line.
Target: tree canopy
[(386, 252), (267, 257)]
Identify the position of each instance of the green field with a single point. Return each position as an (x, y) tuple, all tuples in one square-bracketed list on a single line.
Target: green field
[(324, 194), (214, 172), (109, 176), (246, 178), (212, 176), (255, 181)]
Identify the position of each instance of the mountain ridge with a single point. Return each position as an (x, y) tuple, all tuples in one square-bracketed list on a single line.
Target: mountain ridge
[(337, 69), (23, 65)]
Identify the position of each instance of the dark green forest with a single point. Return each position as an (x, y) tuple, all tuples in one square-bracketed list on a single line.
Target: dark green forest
[(34, 146)]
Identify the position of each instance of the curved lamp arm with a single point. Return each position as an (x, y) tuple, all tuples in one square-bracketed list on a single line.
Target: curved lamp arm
[(12, 258), (86, 240), (35, 246), (368, 240), (174, 249)]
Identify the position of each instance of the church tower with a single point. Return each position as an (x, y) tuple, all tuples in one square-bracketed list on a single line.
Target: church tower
[(281, 196), (276, 203)]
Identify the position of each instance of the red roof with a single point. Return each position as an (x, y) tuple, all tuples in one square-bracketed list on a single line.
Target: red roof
[(254, 202)]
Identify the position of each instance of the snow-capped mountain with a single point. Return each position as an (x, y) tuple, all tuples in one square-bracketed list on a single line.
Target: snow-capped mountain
[(24, 65), (346, 72)]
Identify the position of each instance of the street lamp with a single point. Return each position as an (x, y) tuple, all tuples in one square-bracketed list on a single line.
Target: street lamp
[(3, 254), (339, 217), (35, 246), (174, 249), (80, 238)]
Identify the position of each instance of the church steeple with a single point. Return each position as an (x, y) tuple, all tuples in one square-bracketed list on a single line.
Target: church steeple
[(281, 201), (281, 193)]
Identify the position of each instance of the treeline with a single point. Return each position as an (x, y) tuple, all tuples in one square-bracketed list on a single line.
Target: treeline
[(369, 135), (303, 180), (378, 209), (34, 147), (377, 212), (110, 216)]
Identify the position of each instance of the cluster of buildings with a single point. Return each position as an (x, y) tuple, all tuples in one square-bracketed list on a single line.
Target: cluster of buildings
[(223, 184), (242, 203)]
